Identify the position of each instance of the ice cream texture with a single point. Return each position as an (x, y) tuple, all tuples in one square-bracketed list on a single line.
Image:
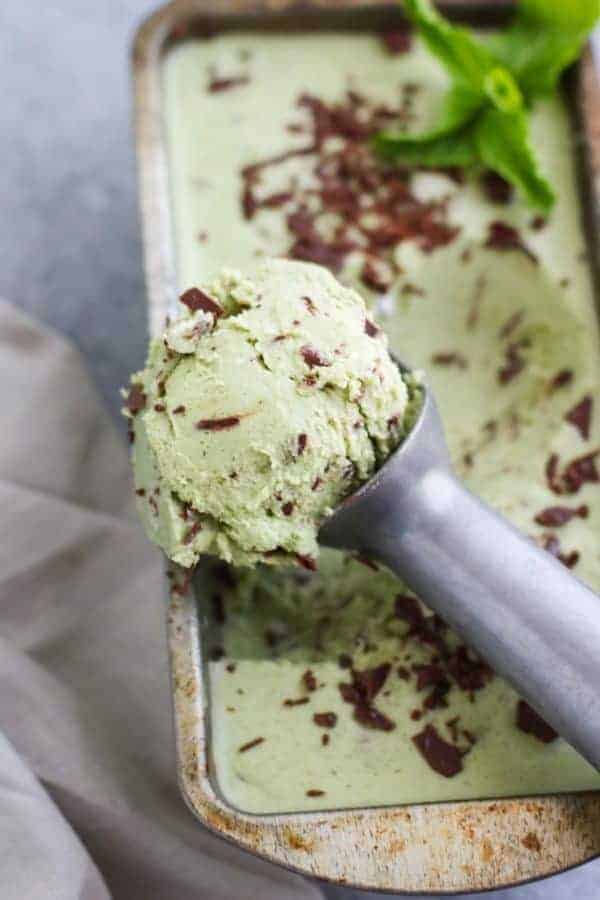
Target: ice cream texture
[(262, 407)]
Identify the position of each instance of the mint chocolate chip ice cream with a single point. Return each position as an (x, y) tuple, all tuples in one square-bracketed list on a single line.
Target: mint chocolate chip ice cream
[(265, 404)]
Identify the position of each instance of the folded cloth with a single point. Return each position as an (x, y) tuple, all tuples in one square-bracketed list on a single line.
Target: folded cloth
[(84, 690)]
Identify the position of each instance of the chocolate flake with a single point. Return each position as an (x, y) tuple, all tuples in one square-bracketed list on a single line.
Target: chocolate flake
[(511, 324), (561, 379), (441, 756), (324, 739), (371, 329), (555, 516), (299, 701), (191, 533), (325, 719), (531, 723), (135, 401), (159, 407), (580, 416), (551, 544), (217, 85), (288, 508), (306, 562), (376, 275), (578, 472), (302, 442), (309, 680), (179, 410), (514, 362), (371, 717), (496, 188), (315, 792), (502, 236), (223, 424), (195, 300), (313, 357), (245, 747), (397, 42), (452, 358)]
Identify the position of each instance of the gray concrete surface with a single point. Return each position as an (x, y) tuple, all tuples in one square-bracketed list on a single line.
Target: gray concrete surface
[(69, 243)]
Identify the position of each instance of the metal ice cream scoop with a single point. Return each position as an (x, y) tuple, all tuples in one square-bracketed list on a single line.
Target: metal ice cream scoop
[(520, 608)]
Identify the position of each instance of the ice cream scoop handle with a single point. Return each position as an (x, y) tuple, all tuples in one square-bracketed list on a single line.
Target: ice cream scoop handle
[(536, 624)]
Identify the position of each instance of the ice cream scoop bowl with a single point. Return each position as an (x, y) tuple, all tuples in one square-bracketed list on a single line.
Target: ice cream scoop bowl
[(520, 608)]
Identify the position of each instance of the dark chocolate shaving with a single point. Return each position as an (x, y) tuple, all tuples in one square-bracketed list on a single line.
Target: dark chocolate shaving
[(561, 379), (218, 85), (135, 401), (555, 516), (442, 757), (502, 236), (531, 723), (325, 719), (218, 424), (315, 792), (195, 300), (245, 747), (581, 415), (313, 357), (450, 358), (309, 680), (397, 42)]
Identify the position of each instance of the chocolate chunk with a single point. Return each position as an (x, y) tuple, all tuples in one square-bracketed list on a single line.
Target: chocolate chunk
[(371, 329), (555, 516), (196, 299), (218, 424), (580, 416), (531, 723), (302, 442), (408, 608), (369, 682), (245, 747), (561, 379), (373, 718), (511, 324), (397, 42), (288, 508), (325, 719), (551, 544), (191, 533), (428, 675), (218, 85), (441, 756), (313, 357), (502, 236), (452, 358), (135, 401), (306, 562), (496, 188), (514, 362), (469, 672), (309, 680)]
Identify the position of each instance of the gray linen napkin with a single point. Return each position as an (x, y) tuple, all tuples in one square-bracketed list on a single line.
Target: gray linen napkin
[(84, 694)]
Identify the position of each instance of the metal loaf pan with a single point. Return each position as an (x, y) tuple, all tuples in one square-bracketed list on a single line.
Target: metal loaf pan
[(430, 848)]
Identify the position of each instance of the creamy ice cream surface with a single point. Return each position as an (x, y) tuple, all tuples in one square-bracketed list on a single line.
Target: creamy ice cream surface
[(266, 403)]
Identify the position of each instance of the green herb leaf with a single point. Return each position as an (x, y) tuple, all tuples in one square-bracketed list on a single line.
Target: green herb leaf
[(502, 141), (458, 50), (545, 37), (454, 149), (459, 106)]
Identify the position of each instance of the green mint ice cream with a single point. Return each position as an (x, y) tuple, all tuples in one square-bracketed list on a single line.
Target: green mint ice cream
[(266, 403)]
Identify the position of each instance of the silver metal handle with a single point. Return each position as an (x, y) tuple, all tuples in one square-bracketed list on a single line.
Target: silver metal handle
[(535, 624)]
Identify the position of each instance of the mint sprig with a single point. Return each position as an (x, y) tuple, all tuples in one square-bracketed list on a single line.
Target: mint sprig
[(485, 113)]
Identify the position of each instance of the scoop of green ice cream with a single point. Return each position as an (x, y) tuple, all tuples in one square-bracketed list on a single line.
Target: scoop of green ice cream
[(259, 410)]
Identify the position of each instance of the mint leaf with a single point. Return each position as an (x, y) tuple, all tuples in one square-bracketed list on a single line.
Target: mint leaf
[(458, 50), (573, 15), (546, 36), (454, 149), (502, 142), (459, 106)]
